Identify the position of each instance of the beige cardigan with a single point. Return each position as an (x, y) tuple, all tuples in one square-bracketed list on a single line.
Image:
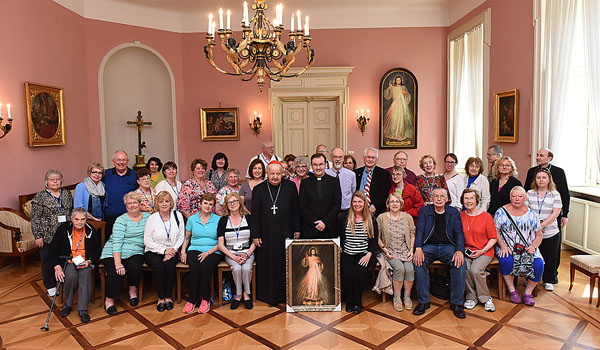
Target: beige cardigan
[(384, 229)]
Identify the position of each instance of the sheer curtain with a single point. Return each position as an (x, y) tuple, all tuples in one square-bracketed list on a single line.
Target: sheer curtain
[(466, 95), (591, 44)]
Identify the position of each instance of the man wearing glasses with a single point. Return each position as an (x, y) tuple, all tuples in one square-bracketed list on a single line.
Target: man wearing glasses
[(266, 156), (401, 159), (347, 177), (374, 181), (494, 153)]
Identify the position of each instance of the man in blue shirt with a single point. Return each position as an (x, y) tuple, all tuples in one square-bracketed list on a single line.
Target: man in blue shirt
[(118, 181), (347, 177)]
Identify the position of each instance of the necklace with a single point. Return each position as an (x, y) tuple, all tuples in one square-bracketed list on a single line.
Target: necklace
[(274, 207), (472, 222)]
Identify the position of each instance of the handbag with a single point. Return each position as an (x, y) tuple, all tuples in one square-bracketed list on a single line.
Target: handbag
[(522, 260)]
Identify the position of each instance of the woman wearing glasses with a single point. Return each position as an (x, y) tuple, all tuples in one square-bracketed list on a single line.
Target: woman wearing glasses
[(455, 182), (90, 193), (505, 178)]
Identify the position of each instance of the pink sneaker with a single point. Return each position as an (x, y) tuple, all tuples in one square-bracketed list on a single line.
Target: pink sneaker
[(204, 307), (189, 308), (528, 299), (515, 297)]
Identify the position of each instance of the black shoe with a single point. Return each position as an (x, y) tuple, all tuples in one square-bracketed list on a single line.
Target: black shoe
[(134, 301), (111, 310), (349, 308), (459, 310), (420, 308), (249, 304), (169, 305), (84, 316), (357, 309), (234, 304), (65, 311), (160, 307)]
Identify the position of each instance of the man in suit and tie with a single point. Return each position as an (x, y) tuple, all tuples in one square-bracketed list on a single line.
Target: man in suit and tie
[(374, 181), (320, 200)]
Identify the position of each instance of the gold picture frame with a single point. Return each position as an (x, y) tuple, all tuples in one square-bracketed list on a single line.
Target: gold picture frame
[(219, 124), (506, 116), (45, 111)]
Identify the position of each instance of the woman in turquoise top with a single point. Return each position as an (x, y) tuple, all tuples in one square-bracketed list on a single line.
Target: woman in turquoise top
[(203, 254), (123, 253)]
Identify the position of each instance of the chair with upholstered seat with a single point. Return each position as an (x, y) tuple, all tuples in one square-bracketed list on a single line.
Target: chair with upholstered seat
[(590, 266), (16, 236)]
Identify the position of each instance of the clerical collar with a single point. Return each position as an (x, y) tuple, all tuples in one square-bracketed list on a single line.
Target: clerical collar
[(319, 178)]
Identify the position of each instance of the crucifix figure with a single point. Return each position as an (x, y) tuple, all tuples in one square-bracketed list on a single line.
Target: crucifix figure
[(140, 123), (274, 208)]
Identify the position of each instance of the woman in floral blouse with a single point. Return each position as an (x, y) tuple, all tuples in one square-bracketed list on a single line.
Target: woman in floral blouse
[(427, 182), (191, 191)]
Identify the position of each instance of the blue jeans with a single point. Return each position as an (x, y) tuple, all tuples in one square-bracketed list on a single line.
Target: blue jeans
[(443, 253)]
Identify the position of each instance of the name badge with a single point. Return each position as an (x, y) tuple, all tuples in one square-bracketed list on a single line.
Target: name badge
[(238, 246), (78, 260), (62, 218)]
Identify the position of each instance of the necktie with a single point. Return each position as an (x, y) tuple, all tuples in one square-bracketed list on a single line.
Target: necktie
[(368, 187), (337, 174)]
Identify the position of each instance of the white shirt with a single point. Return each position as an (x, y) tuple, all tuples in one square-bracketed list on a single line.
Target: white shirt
[(456, 185), (155, 233), (164, 185), (264, 160), (482, 186)]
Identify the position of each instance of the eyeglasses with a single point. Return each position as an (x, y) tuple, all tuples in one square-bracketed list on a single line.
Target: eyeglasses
[(96, 172), (301, 166), (401, 159), (370, 157), (505, 166), (235, 201), (450, 162)]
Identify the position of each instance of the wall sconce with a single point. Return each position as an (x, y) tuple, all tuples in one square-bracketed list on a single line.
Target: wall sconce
[(362, 121), (255, 123), (6, 128)]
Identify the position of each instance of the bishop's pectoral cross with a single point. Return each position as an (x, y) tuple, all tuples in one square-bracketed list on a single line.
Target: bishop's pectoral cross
[(140, 123), (274, 207)]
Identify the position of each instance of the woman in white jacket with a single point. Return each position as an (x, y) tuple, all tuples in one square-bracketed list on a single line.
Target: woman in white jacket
[(478, 182), (163, 236)]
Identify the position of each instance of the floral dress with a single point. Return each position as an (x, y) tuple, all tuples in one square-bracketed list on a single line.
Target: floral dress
[(189, 196)]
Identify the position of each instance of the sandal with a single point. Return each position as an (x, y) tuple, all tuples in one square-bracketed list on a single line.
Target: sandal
[(528, 299), (515, 297)]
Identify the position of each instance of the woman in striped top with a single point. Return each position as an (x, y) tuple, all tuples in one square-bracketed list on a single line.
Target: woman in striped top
[(233, 235), (358, 232)]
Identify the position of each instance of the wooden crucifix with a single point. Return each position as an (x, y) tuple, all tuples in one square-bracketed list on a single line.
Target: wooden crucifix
[(140, 123)]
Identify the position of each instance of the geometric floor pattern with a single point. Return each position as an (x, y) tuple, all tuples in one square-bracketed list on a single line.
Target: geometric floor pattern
[(559, 320)]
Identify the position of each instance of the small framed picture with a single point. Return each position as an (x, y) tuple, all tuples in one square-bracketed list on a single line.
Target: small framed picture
[(45, 111), (506, 116), (219, 124), (313, 275)]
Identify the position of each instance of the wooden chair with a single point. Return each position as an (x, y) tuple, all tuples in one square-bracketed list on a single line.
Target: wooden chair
[(590, 266), (16, 236)]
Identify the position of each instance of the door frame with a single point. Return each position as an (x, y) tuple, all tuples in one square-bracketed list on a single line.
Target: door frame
[(316, 84)]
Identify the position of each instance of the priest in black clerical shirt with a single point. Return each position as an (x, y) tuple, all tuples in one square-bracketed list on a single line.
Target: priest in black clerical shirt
[(320, 201), (275, 217)]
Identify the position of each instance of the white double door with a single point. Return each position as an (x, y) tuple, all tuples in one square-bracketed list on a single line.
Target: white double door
[(308, 124)]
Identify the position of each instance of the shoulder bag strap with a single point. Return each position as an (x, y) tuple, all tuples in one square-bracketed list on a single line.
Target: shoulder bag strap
[(516, 227)]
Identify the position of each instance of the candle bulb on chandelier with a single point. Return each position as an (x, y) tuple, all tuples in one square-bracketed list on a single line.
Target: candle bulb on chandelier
[(220, 18), (210, 20), (8, 109), (292, 26), (357, 114), (362, 112), (214, 26), (228, 19), (299, 20), (306, 32), (368, 114), (0, 110), (245, 15)]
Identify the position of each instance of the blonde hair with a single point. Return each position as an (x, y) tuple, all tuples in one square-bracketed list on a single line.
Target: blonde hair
[(366, 215), (551, 185), (243, 210), (95, 166), (132, 195), (398, 197), (496, 168), (164, 195)]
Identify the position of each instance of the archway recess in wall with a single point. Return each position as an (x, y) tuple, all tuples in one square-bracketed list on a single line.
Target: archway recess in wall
[(132, 77)]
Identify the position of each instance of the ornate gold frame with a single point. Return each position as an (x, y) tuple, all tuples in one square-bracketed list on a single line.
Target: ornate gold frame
[(503, 99), (208, 112), (33, 138)]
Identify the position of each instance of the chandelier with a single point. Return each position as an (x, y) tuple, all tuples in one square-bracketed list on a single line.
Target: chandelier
[(260, 53)]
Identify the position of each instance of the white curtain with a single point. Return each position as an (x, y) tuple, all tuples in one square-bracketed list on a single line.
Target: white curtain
[(466, 95), (591, 44), (558, 29)]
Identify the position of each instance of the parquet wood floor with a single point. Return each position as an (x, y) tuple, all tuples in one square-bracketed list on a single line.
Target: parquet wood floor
[(559, 320)]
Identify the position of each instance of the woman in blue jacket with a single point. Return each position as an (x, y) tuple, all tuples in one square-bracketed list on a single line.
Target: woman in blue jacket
[(90, 193)]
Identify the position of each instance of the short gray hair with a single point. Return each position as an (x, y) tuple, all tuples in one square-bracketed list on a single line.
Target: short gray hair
[(50, 173), (371, 149), (300, 160), (78, 210), (497, 150), (520, 189)]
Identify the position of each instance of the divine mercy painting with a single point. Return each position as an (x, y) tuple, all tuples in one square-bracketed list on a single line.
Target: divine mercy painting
[(398, 109)]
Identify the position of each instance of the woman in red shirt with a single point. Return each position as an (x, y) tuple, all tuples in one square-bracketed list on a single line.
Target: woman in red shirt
[(410, 195), (480, 238)]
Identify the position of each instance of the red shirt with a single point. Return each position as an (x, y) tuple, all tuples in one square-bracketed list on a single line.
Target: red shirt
[(412, 199), (478, 230)]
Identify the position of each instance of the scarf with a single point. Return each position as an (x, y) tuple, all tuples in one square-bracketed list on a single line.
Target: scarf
[(92, 188)]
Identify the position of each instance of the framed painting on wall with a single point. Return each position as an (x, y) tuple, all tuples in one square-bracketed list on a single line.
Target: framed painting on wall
[(45, 111), (506, 116), (219, 124), (312, 275), (398, 97)]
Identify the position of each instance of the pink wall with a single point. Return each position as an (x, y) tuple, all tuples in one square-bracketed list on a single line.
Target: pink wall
[(511, 65)]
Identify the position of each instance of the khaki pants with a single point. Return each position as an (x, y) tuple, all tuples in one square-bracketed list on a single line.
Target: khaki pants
[(476, 286)]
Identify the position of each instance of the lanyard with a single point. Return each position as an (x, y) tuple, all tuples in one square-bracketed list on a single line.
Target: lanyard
[(197, 183), (236, 229), (174, 188), (216, 172), (146, 198), (430, 186), (538, 201), (167, 230), (80, 238), (59, 201)]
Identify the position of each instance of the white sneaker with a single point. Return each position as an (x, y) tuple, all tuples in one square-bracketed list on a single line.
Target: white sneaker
[(470, 304), (549, 287), (489, 305), (52, 291)]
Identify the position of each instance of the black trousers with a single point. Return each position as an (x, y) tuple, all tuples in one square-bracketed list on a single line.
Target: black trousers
[(201, 275), (47, 268), (110, 222), (164, 273), (550, 250), (133, 269), (353, 277)]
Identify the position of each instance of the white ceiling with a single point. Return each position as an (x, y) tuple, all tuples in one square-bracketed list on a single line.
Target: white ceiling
[(191, 16)]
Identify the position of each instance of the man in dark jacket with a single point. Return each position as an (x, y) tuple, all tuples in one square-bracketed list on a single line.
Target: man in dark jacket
[(440, 237), (373, 181), (319, 201)]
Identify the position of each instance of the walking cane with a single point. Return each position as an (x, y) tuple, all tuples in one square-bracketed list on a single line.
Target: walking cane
[(45, 326)]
